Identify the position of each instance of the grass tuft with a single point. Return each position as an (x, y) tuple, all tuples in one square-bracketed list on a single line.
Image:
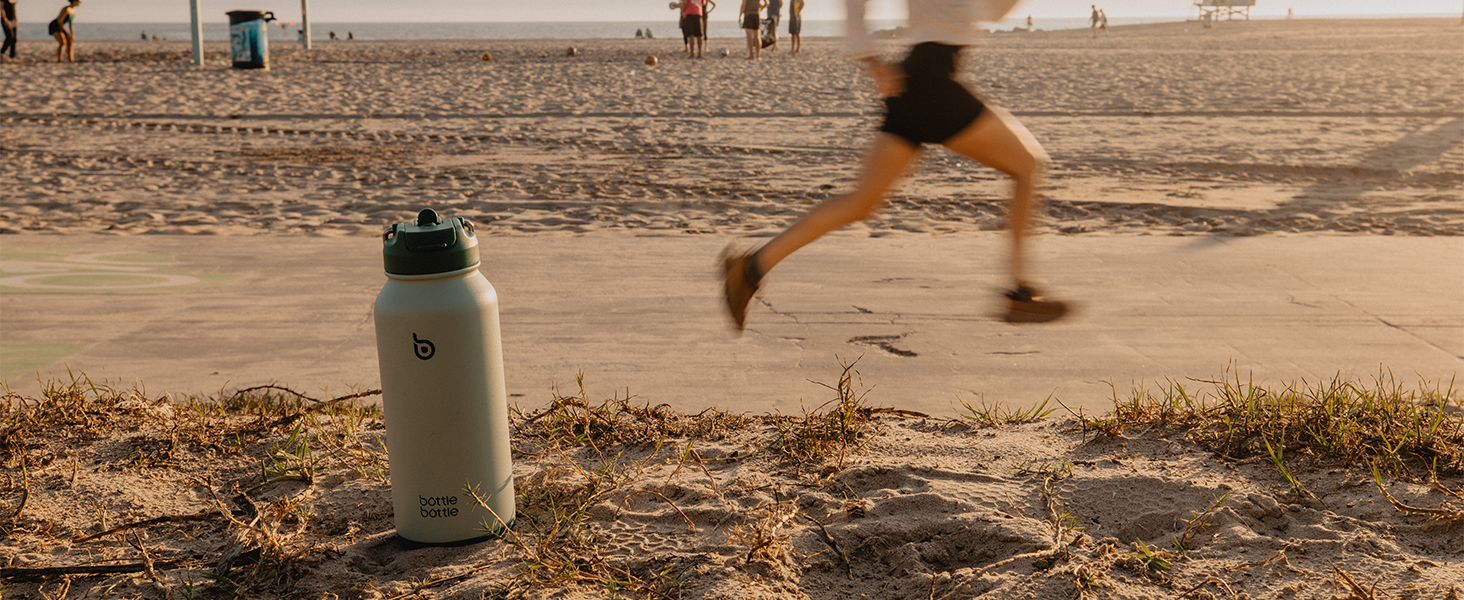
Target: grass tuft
[(1406, 432)]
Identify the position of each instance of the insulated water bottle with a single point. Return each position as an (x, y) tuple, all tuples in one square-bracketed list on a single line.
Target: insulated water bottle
[(437, 340)]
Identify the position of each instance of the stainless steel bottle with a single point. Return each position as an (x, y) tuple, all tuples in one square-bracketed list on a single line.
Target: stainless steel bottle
[(438, 343)]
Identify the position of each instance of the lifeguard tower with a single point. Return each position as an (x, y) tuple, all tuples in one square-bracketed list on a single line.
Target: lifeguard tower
[(1212, 10)]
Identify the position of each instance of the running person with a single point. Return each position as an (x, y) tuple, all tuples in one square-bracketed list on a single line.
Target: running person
[(64, 30), (923, 105)]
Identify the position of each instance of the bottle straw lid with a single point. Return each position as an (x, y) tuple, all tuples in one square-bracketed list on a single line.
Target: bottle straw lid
[(430, 245)]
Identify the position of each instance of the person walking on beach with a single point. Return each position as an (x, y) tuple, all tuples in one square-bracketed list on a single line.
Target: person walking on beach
[(795, 27), (1093, 21), (750, 25), (63, 29), (924, 104), (1103, 22), (11, 25)]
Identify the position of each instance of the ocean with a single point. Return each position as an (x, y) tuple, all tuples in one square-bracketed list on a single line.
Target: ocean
[(722, 26)]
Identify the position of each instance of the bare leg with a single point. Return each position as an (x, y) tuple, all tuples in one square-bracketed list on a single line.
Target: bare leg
[(996, 139), (886, 162), (60, 45), (754, 45)]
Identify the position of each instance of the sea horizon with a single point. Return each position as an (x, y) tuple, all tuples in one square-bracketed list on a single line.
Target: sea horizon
[(720, 27)]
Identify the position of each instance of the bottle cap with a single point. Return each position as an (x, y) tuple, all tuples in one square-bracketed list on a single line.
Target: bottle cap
[(430, 245)]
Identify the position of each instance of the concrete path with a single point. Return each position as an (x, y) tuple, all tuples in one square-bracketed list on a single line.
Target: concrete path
[(203, 314)]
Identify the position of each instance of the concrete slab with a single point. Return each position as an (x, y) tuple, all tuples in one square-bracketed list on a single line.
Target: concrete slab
[(196, 314)]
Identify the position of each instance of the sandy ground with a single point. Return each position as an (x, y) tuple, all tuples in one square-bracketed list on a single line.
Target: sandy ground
[(153, 498), (1249, 128), (1263, 128)]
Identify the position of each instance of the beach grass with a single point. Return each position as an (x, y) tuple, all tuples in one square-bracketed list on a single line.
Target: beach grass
[(258, 460)]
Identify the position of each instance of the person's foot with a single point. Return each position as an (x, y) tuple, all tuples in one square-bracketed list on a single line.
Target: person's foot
[(740, 282), (1025, 305)]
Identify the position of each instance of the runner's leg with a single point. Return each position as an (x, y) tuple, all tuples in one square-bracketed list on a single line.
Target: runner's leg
[(996, 139), (888, 159)]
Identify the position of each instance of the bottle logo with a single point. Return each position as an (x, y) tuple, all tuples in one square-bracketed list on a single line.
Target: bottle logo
[(423, 348)]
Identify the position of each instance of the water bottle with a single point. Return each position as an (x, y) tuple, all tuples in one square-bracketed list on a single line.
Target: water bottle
[(438, 343)]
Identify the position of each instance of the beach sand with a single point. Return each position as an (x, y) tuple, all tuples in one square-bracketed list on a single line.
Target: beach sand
[(1269, 127), (1347, 127)]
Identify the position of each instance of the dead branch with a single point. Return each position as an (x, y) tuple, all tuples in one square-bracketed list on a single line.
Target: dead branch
[(1442, 513), (201, 516), (35, 573)]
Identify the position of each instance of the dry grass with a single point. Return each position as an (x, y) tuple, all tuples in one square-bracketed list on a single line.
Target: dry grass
[(1407, 432), (259, 457)]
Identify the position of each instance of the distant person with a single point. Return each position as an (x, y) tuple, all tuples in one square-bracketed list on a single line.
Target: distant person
[(1103, 22), (1288, 14), (691, 26), (11, 25), (332, 34), (649, 35), (63, 29), (775, 14), (795, 26), (1093, 21), (144, 35), (1029, 22), (707, 6), (350, 35), (640, 35), (751, 23), (924, 104)]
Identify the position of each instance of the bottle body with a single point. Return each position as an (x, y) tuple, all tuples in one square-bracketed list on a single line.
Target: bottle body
[(440, 353)]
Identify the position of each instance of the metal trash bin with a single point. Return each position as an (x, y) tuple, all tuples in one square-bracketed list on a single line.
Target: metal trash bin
[(249, 38)]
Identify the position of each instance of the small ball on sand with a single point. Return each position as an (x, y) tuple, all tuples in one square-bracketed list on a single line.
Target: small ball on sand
[(487, 56), (725, 53), (572, 51), (651, 60)]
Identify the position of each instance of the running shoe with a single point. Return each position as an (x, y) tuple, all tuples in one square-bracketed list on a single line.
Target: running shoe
[(1025, 305), (740, 282)]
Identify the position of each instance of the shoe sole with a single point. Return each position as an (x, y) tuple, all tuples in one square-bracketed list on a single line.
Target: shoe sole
[(1018, 315)]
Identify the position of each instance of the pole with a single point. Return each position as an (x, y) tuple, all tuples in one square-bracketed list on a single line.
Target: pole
[(305, 21), (197, 30)]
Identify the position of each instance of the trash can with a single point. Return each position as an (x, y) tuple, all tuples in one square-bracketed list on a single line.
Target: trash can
[(249, 39)]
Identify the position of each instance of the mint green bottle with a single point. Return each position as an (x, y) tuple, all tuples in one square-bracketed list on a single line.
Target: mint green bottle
[(441, 358)]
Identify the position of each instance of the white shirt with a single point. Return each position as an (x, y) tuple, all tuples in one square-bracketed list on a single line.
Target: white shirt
[(946, 21)]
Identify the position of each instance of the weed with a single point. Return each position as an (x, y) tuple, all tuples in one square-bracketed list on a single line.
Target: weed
[(1197, 523), (1045, 469), (996, 416), (1399, 429), (1151, 557), (830, 434)]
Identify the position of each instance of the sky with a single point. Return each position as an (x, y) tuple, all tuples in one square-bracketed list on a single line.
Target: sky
[(350, 11)]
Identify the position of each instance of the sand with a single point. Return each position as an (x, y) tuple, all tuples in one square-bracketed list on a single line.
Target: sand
[(618, 500), (1260, 128), (1245, 129)]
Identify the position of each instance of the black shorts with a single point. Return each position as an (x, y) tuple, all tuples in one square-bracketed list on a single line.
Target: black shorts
[(54, 28), (934, 107), (691, 26), (795, 26), (750, 21)]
